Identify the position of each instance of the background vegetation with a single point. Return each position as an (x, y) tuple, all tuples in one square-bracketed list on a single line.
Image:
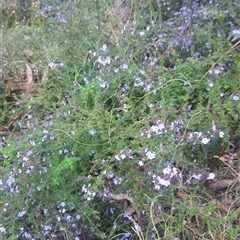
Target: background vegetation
[(119, 120)]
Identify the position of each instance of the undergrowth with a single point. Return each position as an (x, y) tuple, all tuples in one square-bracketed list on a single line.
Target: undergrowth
[(118, 138)]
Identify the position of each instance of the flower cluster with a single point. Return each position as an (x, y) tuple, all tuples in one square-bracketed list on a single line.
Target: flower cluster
[(168, 174), (88, 192), (124, 154)]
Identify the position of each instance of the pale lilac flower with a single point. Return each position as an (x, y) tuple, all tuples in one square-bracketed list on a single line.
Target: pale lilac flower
[(22, 213), (164, 182), (197, 176), (160, 181), (170, 171), (2, 229), (207, 45), (104, 48), (137, 228), (167, 170), (149, 135), (27, 235), (110, 175), (93, 132), (142, 72), (235, 98), (117, 181), (108, 60), (127, 215), (111, 210), (47, 228), (195, 135), (78, 232), (10, 180), (159, 128), (236, 32), (125, 66)]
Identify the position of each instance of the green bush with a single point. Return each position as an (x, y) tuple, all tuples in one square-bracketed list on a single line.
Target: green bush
[(119, 138)]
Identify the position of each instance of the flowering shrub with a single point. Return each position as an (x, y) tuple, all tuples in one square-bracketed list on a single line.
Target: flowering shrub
[(119, 141)]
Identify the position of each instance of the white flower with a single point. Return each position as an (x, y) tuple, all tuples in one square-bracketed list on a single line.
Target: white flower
[(211, 176), (221, 134), (150, 155), (140, 163), (123, 156), (205, 140), (149, 135), (165, 183)]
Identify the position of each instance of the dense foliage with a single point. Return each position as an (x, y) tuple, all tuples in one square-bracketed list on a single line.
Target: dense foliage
[(111, 115)]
